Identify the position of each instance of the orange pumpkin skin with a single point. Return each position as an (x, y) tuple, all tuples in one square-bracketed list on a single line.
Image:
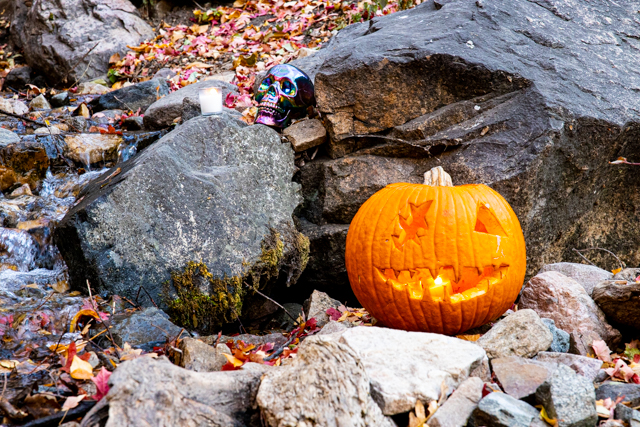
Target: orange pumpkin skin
[(407, 238)]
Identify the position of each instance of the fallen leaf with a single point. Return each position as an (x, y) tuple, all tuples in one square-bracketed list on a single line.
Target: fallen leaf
[(545, 417), (102, 384), (601, 350), (72, 402), (80, 370), (617, 270)]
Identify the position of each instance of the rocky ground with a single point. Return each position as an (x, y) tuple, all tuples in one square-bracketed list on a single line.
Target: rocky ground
[(158, 267)]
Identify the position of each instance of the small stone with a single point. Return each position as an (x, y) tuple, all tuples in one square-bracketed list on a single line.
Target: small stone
[(39, 103), (7, 137), (51, 130), (502, 410), (19, 107), (78, 124), (561, 339), (60, 100), (333, 327), (569, 398), (587, 275), (200, 357), (106, 116), (18, 78), (90, 148), (141, 327), (520, 334), (89, 88), (23, 190), (620, 301), (628, 274), (165, 73), (558, 297), (615, 389), (305, 134), (276, 338), (628, 415), (588, 367), (601, 377), (94, 361), (316, 307), (133, 123), (457, 409), (520, 377)]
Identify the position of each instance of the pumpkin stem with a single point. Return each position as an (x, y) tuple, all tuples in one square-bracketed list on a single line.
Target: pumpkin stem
[(437, 177)]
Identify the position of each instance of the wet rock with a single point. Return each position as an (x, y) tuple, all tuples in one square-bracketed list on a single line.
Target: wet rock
[(324, 383), (587, 275), (60, 100), (615, 389), (588, 367), (213, 190), (520, 334), (78, 124), (305, 134), (397, 381), (569, 398), (164, 111), (19, 77), (502, 410), (561, 339), (531, 138), (560, 298), (92, 148), (7, 137), (200, 357), (134, 97), (628, 415), (23, 190), (101, 27), (133, 123), (89, 88), (317, 305), (7, 178), (142, 327), (152, 392), (460, 405), (106, 116), (620, 301), (39, 103), (520, 377), (27, 158), (51, 130)]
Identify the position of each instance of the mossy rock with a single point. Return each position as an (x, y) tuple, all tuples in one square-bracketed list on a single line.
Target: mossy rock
[(199, 301)]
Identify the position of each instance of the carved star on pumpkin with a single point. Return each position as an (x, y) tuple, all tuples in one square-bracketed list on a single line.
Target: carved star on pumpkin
[(410, 224)]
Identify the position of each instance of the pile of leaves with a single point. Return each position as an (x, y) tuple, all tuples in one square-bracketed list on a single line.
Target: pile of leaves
[(249, 37), (355, 316)]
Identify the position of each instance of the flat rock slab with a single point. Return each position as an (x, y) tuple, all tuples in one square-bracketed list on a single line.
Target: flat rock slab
[(502, 410), (615, 389), (152, 392), (620, 301), (212, 190), (587, 275), (92, 148), (325, 385), (560, 298), (406, 366), (519, 334), (305, 134), (148, 325), (457, 409), (588, 367), (521, 377)]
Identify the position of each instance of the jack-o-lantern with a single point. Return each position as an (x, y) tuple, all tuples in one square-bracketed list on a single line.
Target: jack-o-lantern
[(435, 257)]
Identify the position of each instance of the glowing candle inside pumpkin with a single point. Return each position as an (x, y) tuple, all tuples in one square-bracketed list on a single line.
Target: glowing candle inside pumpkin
[(210, 101), (437, 290), (438, 281)]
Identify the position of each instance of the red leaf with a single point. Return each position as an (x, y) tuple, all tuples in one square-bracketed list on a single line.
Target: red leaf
[(636, 358), (333, 313), (486, 390), (71, 352), (102, 384)]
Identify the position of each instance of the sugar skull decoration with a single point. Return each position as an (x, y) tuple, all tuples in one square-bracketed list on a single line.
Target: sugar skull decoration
[(285, 93), (436, 257)]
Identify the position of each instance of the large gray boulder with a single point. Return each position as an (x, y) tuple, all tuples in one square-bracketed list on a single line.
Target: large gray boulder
[(533, 102), (65, 40), (210, 202)]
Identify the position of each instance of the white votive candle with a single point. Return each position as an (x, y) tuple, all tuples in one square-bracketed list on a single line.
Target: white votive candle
[(210, 101)]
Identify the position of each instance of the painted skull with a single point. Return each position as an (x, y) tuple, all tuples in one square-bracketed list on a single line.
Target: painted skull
[(285, 93)]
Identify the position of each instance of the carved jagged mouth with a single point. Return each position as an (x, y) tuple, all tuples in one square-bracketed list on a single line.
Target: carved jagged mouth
[(421, 284)]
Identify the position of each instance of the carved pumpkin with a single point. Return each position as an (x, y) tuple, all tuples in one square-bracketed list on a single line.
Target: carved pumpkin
[(435, 257)]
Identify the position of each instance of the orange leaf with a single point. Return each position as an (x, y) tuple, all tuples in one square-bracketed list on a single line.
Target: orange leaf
[(235, 362), (80, 370)]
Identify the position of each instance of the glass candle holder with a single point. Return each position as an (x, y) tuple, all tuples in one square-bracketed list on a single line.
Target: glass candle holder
[(210, 101)]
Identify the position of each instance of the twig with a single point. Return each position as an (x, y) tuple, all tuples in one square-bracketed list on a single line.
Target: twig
[(146, 292), (201, 8), (276, 303), (279, 351), (623, 161), (126, 105), (134, 305), (79, 61), (598, 249), (18, 116), (95, 308)]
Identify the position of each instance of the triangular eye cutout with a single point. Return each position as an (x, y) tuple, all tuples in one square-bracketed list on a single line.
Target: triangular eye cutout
[(488, 223)]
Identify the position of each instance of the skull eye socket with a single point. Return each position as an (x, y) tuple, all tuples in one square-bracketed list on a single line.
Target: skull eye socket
[(265, 84), (288, 88), (487, 222)]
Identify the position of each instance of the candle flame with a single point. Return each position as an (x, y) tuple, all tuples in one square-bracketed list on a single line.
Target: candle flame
[(438, 280)]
